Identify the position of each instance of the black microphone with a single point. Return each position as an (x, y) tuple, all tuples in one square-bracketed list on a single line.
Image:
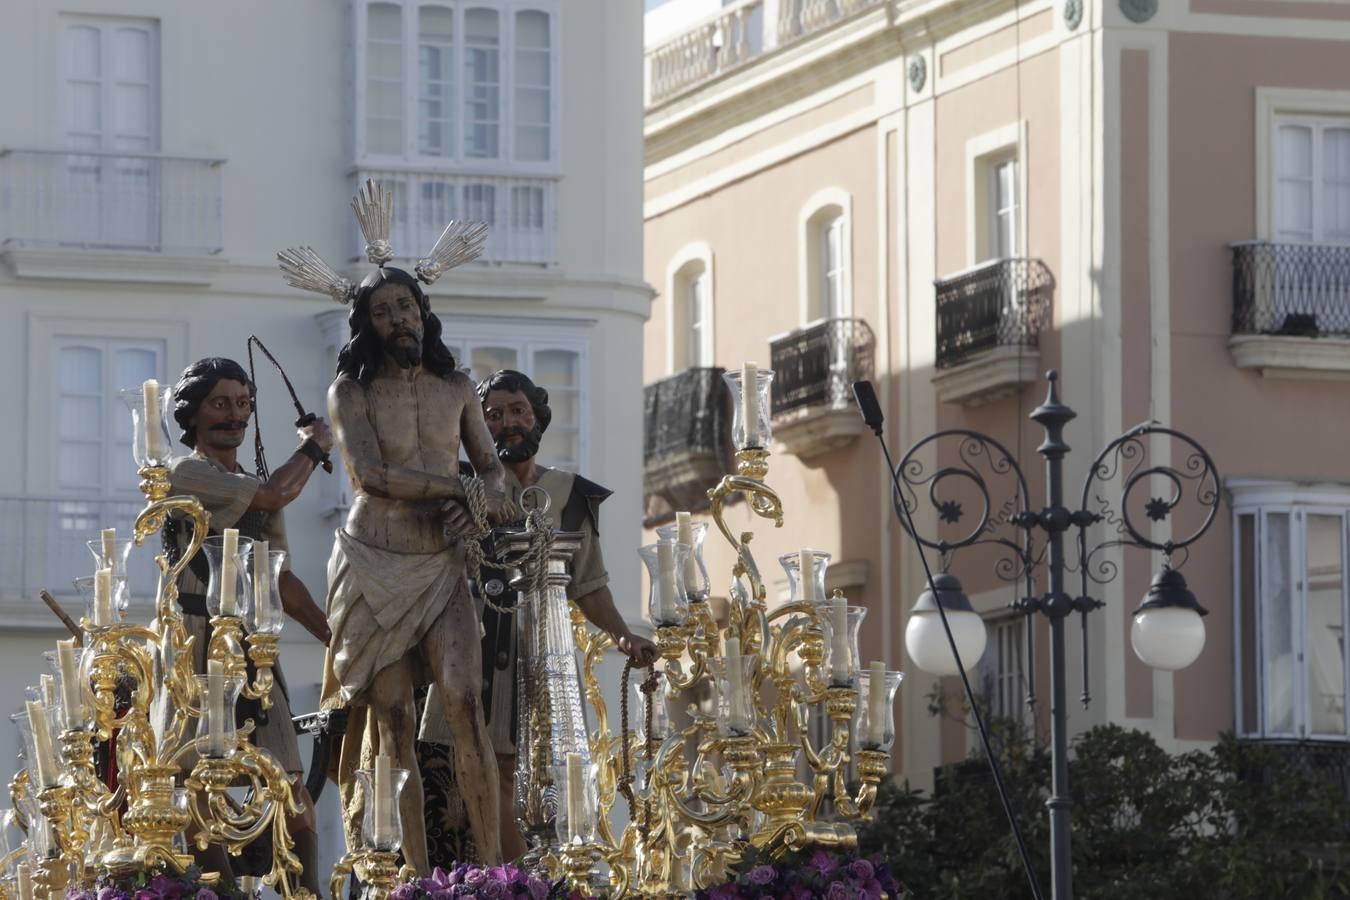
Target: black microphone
[(868, 405)]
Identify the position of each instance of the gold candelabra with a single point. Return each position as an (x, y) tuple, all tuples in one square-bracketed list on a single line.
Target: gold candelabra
[(717, 785), (172, 785)]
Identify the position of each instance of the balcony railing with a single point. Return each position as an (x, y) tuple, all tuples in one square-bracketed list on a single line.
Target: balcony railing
[(815, 367), (42, 546), (110, 200), (521, 213), (1267, 761), (1300, 290), (737, 35), (1004, 303), (686, 439)]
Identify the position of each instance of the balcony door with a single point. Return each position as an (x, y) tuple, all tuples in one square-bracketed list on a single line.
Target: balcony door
[(94, 477), (111, 98)]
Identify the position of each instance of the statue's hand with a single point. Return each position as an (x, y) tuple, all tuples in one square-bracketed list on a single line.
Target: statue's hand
[(456, 519), (640, 650), (500, 508), (319, 431)]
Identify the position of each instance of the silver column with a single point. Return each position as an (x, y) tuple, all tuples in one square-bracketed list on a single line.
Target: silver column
[(549, 718)]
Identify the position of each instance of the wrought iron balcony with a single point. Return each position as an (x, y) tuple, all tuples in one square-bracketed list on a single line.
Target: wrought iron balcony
[(1003, 303), (686, 440), (815, 367), (521, 212), (1266, 760), (1291, 290), (736, 36), (110, 200)]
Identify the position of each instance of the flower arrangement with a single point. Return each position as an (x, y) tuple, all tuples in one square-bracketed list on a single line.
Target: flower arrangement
[(159, 886), (807, 875), (489, 882)]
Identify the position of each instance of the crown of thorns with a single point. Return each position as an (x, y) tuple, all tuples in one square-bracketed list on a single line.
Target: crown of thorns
[(459, 243)]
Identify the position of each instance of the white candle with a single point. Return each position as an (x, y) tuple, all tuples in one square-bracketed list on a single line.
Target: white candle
[(666, 588), (229, 549), (750, 403), (47, 688), (876, 704), (42, 744), (576, 798), (384, 798), (806, 564), (215, 705), (154, 438), (103, 598), (685, 529), (109, 549), (737, 717), (840, 663), (72, 697), (262, 597), (24, 875)]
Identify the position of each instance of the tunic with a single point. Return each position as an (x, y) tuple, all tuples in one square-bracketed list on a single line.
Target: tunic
[(226, 497)]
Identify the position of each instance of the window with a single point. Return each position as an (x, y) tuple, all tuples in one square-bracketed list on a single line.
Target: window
[(823, 268), (458, 81), (557, 365), (1312, 179), (93, 474), (111, 103), (690, 307), (1003, 671), (1290, 592), (1003, 209)]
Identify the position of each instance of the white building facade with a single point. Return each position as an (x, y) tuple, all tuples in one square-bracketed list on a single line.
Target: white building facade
[(155, 155)]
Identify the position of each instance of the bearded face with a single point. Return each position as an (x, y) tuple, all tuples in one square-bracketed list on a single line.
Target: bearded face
[(511, 421), (396, 317)]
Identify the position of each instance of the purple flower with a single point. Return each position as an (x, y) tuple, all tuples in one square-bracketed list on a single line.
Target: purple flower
[(494, 890), (726, 891), (837, 891), (799, 892), (206, 894), (79, 894), (861, 870), (822, 863), (762, 875), (870, 889), (537, 887), (474, 878), (166, 887), (403, 892), (146, 895), (110, 893)]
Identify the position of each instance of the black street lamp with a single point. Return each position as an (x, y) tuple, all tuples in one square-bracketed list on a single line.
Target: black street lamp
[(1167, 631)]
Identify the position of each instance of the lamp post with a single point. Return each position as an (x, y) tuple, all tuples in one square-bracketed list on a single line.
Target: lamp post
[(1167, 630)]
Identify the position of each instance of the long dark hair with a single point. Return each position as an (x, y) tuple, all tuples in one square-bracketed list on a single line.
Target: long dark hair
[(363, 354)]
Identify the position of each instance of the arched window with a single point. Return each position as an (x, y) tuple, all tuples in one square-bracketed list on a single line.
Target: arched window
[(825, 279), (689, 293)]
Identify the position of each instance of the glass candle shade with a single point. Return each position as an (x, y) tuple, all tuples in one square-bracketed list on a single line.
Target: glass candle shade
[(216, 724), (118, 598), (666, 602), (76, 698), (39, 751), (381, 822), (697, 584), (149, 405), (842, 662), (812, 589), (752, 421), (265, 615), (121, 557), (735, 703), (660, 710), (874, 717), (575, 782), (25, 728), (219, 600)]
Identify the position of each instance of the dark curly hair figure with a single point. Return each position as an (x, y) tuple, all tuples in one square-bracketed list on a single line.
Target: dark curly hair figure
[(197, 381), (363, 354)]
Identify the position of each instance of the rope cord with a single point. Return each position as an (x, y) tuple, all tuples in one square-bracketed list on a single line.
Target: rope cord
[(649, 687)]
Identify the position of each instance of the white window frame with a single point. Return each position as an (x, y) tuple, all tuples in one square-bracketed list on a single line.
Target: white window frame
[(822, 210), (1260, 498), (691, 261), (698, 306), (106, 26), (984, 153), (993, 673), (1273, 104), (411, 157)]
